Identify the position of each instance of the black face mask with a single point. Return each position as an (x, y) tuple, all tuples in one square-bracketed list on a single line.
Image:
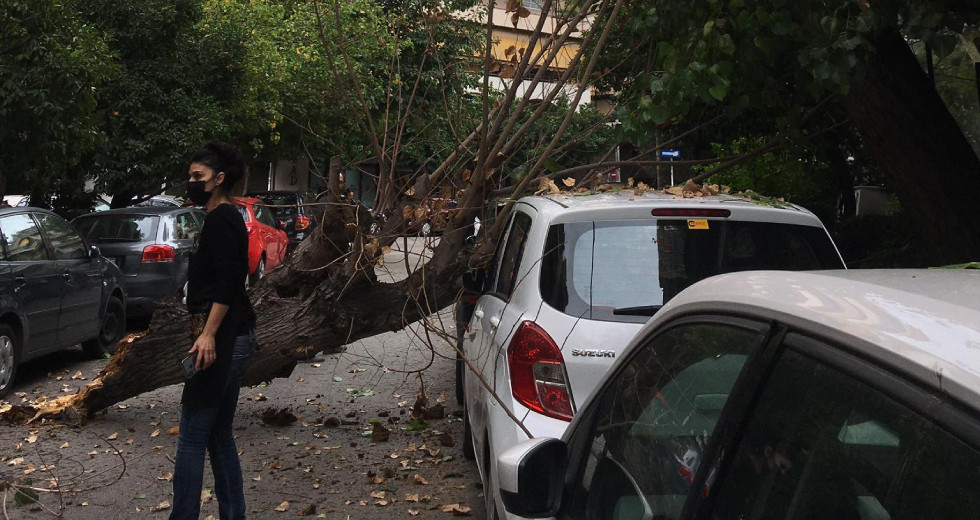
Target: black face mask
[(197, 193)]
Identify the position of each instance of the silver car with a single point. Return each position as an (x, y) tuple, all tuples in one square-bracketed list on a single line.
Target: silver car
[(575, 278), (842, 395)]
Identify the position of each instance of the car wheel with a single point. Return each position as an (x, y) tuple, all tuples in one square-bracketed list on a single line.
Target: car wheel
[(488, 490), (8, 359), (460, 367), (468, 449), (112, 329), (259, 272)]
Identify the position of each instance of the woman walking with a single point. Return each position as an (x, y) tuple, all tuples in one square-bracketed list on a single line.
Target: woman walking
[(222, 328)]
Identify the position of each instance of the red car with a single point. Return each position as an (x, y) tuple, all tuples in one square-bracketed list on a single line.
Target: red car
[(266, 239)]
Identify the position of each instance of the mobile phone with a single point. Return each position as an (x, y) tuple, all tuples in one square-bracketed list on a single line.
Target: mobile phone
[(188, 366)]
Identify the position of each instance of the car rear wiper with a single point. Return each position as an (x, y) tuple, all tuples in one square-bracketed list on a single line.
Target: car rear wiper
[(641, 310)]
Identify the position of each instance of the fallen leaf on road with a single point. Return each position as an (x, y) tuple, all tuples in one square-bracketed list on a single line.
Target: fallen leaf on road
[(162, 506), (166, 476), (173, 430), (65, 445), (446, 440), (113, 437), (456, 510), (378, 494), (259, 397), (282, 507), (32, 439), (276, 465), (381, 503), (379, 433), (412, 498), (413, 512), (420, 480), (308, 510), (155, 433), (256, 478)]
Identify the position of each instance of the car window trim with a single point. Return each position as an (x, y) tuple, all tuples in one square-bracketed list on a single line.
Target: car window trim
[(520, 257), (756, 363)]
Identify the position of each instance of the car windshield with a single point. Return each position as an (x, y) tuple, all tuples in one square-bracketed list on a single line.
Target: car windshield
[(627, 270), (117, 228)]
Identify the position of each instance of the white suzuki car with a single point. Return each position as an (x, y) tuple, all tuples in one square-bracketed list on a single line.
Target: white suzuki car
[(575, 278)]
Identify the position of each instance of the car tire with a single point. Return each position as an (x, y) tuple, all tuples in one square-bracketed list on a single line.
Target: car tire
[(490, 504), (111, 330), (9, 358), (259, 272), (460, 368), (469, 451)]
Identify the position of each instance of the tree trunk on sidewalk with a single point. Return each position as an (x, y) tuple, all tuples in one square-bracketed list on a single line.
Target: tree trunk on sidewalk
[(929, 162)]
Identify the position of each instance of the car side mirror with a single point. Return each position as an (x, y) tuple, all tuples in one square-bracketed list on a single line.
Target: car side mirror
[(93, 252), (531, 476)]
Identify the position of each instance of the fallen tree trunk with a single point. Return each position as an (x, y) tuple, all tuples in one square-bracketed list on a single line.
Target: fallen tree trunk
[(323, 299)]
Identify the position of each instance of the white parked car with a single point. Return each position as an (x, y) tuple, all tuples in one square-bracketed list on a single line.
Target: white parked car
[(831, 395), (575, 278)]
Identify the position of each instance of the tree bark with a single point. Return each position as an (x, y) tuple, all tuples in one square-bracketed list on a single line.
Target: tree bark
[(930, 164)]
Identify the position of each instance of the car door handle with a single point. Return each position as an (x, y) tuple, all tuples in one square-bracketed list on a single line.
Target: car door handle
[(478, 313), (21, 283)]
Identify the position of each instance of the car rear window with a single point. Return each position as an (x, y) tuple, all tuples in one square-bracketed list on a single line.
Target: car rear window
[(280, 204), (117, 228), (626, 270)]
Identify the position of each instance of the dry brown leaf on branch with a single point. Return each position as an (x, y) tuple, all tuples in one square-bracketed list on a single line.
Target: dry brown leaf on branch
[(371, 247), (630, 182), (507, 71), (421, 212), (674, 190), (512, 6), (410, 192), (641, 188), (510, 50), (523, 12), (726, 189), (514, 19), (407, 212), (568, 181), (711, 189), (603, 187), (691, 186)]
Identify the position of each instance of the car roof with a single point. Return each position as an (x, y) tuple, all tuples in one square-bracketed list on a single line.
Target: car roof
[(24, 209), (626, 203), (921, 322), (139, 210)]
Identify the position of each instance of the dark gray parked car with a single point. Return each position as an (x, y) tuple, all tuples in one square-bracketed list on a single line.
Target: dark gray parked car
[(55, 291), (150, 244)]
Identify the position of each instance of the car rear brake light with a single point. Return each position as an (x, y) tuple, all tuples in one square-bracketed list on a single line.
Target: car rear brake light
[(302, 223), (690, 212), (157, 254), (537, 372)]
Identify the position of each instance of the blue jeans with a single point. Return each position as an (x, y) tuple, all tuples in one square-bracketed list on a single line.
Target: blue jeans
[(210, 429)]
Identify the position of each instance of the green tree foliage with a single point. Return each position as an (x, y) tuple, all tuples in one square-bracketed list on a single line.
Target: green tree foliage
[(758, 60), (52, 66)]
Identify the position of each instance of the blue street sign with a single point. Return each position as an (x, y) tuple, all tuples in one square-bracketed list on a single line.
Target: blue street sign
[(673, 154)]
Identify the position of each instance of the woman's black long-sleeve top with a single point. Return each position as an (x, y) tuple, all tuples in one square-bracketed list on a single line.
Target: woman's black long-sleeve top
[(216, 274)]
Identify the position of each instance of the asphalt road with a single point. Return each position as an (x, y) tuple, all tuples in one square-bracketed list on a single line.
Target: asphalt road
[(119, 464)]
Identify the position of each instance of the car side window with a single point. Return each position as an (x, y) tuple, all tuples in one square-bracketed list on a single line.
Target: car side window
[(824, 444), (22, 239), (185, 227), (654, 421), (263, 215), (510, 260), (65, 242)]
